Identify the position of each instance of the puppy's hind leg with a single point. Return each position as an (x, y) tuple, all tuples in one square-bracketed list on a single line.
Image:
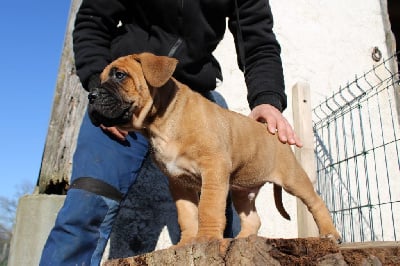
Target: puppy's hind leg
[(245, 205), (297, 183)]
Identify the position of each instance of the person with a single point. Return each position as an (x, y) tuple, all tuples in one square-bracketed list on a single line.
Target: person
[(394, 18), (107, 160)]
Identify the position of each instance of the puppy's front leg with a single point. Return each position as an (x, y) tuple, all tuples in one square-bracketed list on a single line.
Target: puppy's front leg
[(186, 201), (214, 192)]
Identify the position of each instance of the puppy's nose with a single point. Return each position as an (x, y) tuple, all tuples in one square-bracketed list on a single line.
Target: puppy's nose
[(92, 96)]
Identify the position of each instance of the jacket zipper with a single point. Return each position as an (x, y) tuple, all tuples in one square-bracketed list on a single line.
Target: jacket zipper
[(175, 47), (179, 41)]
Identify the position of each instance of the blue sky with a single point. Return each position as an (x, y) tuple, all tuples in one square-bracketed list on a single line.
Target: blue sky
[(32, 37)]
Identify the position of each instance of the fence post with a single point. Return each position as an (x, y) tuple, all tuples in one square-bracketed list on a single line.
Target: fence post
[(302, 122)]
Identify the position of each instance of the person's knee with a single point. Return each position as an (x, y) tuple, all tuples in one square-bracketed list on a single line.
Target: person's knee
[(81, 230)]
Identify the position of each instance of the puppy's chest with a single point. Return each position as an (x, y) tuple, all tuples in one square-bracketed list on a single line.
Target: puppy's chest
[(172, 159)]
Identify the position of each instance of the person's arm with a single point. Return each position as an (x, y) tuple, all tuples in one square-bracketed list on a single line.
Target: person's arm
[(95, 27), (263, 66), (264, 74)]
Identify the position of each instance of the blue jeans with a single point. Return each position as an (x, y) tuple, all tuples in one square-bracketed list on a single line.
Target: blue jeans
[(84, 223)]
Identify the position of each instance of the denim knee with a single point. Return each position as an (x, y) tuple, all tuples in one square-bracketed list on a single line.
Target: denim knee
[(81, 230)]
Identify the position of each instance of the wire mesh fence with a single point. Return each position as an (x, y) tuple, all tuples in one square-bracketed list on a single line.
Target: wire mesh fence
[(357, 149)]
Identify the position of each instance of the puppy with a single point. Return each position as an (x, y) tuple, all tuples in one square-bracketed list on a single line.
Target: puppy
[(204, 149)]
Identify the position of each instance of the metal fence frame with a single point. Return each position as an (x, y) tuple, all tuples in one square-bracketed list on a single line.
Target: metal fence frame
[(357, 138)]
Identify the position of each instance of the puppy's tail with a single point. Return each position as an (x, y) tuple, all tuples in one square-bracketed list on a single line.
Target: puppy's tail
[(278, 202)]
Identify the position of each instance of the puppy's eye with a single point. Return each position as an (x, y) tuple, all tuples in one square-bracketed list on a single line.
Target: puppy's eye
[(120, 75)]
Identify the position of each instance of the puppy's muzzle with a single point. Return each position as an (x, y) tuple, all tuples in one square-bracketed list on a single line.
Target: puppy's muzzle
[(108, 108)]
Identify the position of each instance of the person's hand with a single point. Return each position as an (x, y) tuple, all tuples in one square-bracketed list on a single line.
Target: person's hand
[(116, 132), (276, 123)]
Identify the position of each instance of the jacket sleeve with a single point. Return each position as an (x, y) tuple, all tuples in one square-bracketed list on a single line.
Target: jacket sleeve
[(263, 64), (95, 25)]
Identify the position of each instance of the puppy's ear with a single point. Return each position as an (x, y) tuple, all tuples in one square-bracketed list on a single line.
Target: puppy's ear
[(157, 70)]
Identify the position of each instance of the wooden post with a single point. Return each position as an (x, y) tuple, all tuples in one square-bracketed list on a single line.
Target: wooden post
[(68, 108), (302, 122)]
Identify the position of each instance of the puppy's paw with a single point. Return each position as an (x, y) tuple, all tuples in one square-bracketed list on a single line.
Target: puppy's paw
[(185, 241), (204, 239), (245, 235), (195, 240), (335, 237)]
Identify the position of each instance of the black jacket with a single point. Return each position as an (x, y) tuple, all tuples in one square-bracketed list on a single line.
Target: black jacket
[(187, 30)]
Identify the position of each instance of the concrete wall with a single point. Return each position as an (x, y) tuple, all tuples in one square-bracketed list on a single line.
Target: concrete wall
[(35, 218)]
